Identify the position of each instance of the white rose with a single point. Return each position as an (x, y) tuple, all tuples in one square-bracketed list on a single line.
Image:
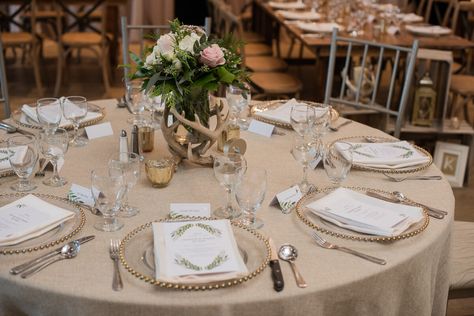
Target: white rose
[(164, 45), (151, 60), (187, 43), (177, 64)]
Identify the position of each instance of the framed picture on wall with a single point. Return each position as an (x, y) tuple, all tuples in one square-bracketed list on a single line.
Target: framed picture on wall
[(451, 159)]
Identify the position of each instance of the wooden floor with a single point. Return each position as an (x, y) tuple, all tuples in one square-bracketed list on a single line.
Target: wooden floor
[(84, 78)]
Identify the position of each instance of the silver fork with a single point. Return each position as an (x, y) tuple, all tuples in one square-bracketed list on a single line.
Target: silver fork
[(326, 244), (400, 179), (117, 284)]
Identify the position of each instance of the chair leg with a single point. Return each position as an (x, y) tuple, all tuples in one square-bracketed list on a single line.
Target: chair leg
[(59, 71), (36, 68), (290, 49), (106, 70)]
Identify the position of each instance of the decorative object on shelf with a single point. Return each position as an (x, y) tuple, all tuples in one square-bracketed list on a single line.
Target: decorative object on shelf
[(455, 122), (363, 76), (160, 172), (451, 159), (425, 102), (183, 67)]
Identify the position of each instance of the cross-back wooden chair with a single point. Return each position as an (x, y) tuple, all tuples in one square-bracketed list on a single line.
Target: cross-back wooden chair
[(375, 100), (76, 24), (3, 85), (25, 39), (442, 16)]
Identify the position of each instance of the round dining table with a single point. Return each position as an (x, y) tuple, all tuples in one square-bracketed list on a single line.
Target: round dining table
[(414, 281)]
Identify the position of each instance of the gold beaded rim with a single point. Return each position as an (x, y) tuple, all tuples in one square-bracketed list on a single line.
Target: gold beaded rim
[(300, 206), (414, 169), (48, 244), (200, 286), (17, 114), (262, 106)]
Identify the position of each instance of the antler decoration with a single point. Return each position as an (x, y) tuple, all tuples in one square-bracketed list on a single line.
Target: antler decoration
[(193, 151)]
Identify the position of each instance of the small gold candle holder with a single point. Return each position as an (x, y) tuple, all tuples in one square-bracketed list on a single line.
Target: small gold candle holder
[(160, 172), (146, 136)]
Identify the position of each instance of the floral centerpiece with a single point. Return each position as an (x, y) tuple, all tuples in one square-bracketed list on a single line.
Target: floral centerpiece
[(183, 67)]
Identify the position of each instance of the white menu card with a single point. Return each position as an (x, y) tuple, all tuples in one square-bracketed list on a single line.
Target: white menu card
[(359, 212), (198, 251), (29, 217)]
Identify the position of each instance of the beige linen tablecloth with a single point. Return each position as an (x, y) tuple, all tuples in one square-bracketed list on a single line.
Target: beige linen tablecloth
[(414, 281)]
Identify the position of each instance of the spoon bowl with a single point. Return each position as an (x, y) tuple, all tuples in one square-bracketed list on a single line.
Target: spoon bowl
[(431, 210), (289, 253)]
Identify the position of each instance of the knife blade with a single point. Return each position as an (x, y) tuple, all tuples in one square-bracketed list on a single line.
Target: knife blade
[(23, 267), (395, 200), (277, 276)]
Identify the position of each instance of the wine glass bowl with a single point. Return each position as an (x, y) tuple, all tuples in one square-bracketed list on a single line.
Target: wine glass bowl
[(75, 109), (304, 151), (302, 118), (22, 155), (337, 161), (250, 192), (53, 146), (49, 113), (136, 100)]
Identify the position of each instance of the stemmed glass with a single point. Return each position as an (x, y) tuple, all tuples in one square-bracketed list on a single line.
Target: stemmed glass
[(136, 100), (126, 164), (23, 154), (75, 109), (49, 113), (250, 193), (322, 117), (227, 169), (238, 98), (53, 146), (154, 105), (107, 191), (304, 151), (302, 118), (337, 161)]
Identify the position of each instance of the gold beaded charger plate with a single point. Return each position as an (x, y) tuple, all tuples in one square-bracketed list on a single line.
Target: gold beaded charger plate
[(21, 119), (376, 139), (137, 256), (317, 223), (58, 235), (267, 105)]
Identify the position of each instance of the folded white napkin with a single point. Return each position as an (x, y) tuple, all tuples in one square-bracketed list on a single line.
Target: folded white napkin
[(287, 5), (319, 27), (4, 154), (279, 113), (409, 17), (297, 15), (359, 212), (29, 217), (162, 249), (385, 155), (428, 30)]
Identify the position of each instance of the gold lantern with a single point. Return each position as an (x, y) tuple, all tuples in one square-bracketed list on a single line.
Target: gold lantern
[(425, 102)]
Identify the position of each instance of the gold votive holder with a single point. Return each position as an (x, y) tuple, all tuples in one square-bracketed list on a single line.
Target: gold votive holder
[(146, 137), (160, 172)]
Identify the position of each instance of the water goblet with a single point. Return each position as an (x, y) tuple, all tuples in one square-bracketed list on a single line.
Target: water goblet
[(49, 113), (75, 109), (302, 118), (136, 100), (127, 165), (238, 98), (156, 106), (53, 147), (227, 168), (337, 161), (250, 192), (107, 192), (304, 151), (23, 154)]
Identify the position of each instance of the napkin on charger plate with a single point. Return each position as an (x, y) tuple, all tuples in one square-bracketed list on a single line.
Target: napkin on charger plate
[(196, 252), (296, 15), (326, 27), (4, 153), (359, 212), (282, 112), (29, 217), (409, 17), (391, 155)]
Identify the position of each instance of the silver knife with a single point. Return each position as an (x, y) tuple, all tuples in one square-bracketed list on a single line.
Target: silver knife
[(277, 276), (23, 267), (394, 200)]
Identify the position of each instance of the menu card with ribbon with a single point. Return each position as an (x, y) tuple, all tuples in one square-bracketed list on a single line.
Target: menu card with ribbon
[(196, 251)]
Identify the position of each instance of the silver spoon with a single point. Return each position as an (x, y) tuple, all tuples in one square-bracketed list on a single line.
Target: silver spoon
[(402, 197), (289, 253), (336, 128), (68, 251)]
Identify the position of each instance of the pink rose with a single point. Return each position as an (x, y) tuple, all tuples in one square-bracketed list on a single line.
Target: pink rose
[(212, 56)]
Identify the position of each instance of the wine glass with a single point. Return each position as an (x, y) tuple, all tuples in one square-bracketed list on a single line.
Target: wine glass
[(53, 146), (337, 161), (136, 100), (107, 192), (302, 118), (126, 164), (227, 168), (75, 109), (304, 151), (250, 193), (23, 154), (49, 113), (238, 98), (155, 105)]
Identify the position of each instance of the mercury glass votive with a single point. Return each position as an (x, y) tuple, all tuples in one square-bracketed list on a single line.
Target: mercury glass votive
[(160, 172)]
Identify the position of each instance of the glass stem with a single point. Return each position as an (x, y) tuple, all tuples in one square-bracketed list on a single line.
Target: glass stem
[(54, 162), (305, 174), (76, 131), (125, 199), (23, 182), (229, 198)]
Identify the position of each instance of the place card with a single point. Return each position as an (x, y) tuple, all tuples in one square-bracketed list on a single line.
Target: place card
[(261, 128), (178, 210), (313, 164), (99, 130), (81, 195), (287, 199)]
